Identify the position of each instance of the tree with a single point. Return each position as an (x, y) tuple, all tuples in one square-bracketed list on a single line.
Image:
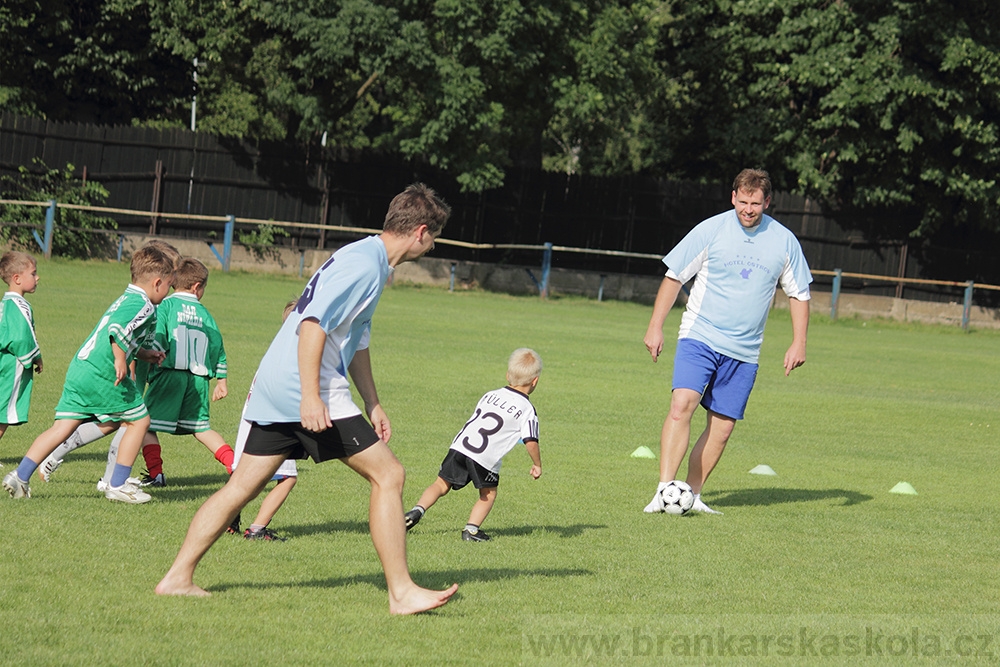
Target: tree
[(886, 113), (89, 61)]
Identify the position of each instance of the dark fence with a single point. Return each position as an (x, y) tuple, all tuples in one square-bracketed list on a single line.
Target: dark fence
[(181, 172)]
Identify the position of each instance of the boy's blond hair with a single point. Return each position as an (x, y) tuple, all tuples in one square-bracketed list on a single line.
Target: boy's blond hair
[(170, 251), (151, 262), (14, 262), (416, 205), (523, 366), (189, 272)]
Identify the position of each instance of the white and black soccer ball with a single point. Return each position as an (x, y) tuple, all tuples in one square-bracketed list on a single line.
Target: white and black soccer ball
[(677, 497)]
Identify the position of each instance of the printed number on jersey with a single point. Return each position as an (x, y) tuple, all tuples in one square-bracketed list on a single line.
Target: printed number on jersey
[(489, 423)]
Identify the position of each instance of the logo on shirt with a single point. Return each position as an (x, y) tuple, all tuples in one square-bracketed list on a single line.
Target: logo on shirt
[(745, 273)]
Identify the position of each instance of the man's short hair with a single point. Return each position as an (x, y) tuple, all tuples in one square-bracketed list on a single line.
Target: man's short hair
[(751, 180), (416, 205), (13, 262)]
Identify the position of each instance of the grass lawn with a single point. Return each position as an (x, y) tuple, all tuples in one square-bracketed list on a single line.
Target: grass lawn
[(820, 560)]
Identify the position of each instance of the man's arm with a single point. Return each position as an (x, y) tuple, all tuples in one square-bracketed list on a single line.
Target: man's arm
[(361, 372), (314, 414), (796, 354), (665, 298)]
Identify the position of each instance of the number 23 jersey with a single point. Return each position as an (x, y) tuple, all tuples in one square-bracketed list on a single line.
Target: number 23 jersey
[(503, 417)]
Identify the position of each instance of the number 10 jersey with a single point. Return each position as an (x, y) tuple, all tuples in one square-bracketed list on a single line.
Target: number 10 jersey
[(503, 418)]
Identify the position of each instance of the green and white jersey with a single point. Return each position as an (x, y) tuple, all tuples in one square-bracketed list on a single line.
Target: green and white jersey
[(187, 332), (129, 323), (18, 351)]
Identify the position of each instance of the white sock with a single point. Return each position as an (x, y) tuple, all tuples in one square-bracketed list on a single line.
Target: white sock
[(84, 434), (420, 509)]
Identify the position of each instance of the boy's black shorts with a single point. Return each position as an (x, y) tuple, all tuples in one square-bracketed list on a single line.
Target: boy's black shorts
[(345, 438), (458, 470)]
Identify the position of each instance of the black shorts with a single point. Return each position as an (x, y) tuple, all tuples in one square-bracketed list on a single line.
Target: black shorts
[(458, 470), (345, 438)]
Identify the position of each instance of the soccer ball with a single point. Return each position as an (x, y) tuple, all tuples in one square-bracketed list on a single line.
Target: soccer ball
[(677, 497)]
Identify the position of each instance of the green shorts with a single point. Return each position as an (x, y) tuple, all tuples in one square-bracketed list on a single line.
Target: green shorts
[(87, 397), (177, 402)]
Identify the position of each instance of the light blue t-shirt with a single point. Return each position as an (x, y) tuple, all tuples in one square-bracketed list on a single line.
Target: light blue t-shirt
[(342, 297), (736, 272)]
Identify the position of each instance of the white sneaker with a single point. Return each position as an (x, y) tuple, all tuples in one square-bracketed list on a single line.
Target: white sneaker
[(49, 466), (15, 487), (656, 504), (127, 493), (700, 506), (103, 486)]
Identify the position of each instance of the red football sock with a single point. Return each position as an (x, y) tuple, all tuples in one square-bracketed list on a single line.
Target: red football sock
[(225, 455), (154, 464)]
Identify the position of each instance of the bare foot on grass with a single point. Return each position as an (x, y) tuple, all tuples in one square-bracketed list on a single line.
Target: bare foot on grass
[(419, 599), (170, 585)]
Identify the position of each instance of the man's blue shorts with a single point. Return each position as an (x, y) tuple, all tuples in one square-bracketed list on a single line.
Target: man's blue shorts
[(724, 383)]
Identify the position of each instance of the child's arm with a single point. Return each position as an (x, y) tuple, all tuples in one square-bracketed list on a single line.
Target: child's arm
[(221, 389), (150, 356), (121, 366), (536, 458), (37, 364)]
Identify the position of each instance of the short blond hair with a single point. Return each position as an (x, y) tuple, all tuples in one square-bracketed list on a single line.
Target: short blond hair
[(14, 262), (170, 251), (523, 366), (151, 262)]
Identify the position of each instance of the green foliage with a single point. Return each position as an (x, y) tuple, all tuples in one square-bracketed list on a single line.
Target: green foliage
[(70, 237), (260, 241)]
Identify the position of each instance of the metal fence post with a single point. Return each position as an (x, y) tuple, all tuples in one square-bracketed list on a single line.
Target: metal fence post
[(451, 281), (600, 288), (967, 306), (835, 295), (227, 244), (50, 221), (546, 267)]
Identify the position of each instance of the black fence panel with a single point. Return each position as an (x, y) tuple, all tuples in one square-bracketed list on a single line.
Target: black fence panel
[(178, 172)]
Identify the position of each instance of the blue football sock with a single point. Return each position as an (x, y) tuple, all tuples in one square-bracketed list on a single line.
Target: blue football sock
[(120, 474), (26, 469)]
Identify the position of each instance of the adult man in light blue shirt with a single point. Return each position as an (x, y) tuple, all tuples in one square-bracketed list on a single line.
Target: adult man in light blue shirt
[(737, 259), (301, 403)]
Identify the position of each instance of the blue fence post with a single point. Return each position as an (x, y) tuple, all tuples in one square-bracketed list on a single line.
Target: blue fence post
[(302, 262), (451, 281), (967, 306), (835, 295), (600, 288), (121, 246), (546, 268), (50, 221), (227, 244)]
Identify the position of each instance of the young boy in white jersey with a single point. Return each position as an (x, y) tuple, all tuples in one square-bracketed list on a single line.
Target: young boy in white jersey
[(302, 405), (98, 383), (737, 259), (502, 418), (20, 356), (285, 477)]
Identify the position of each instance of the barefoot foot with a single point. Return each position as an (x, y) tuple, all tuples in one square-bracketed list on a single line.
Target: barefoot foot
[(170, 585), (417, 599)]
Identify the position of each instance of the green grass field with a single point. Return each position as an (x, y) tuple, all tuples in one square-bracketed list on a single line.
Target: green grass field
[(820, 560)]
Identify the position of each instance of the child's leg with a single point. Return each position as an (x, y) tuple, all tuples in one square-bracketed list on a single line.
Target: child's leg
[(217, 445), (85, 433), (152, 454), (3, 429), (128, 450), (43, 445), (273, 501), (433, 493), (487, 496), (116, 442)]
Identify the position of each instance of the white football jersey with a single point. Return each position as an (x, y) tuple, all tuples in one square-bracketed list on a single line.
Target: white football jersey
[(503, 418)]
